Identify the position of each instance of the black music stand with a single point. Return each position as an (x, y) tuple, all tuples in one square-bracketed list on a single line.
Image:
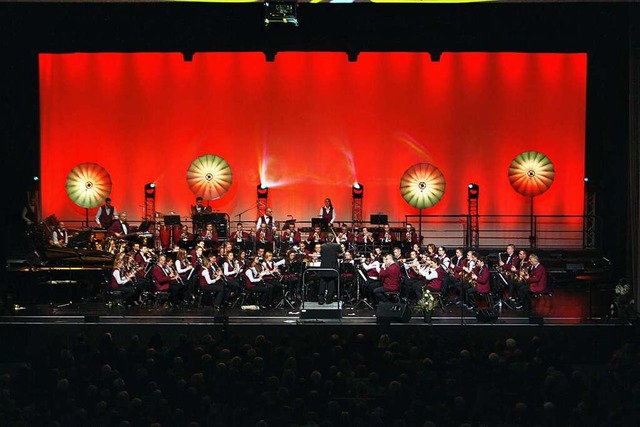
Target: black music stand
[(172, 220), (378, 219), (322, 222)]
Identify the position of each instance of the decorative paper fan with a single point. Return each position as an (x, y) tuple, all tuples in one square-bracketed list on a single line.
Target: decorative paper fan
[(531, 173), (422, 185), (209, 176), (88, 185)]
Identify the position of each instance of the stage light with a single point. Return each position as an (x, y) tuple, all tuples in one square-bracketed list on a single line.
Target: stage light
[(262, 191), (473, 191), (152, 185), (35, 178), (586, 179), (357, 191), (281, 12), (352, 55)]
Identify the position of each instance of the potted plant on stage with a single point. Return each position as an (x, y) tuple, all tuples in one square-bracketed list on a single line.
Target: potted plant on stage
[(623, 305), (426, 305)]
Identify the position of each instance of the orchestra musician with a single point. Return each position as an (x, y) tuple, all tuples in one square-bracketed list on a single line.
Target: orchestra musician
[(185, 237), (386, 237), (271, 271), (328, 212), (345, 236), (516, 274), (240, 238), (60, 235), (264, 237), (390, 275), (291, 275), (410, 237), (209, 236), (290, 237), (121, 280), (432, 251), (511, 259), (119, 227), (211, 282), (267, 219), (434, 275), (142, 257), (397, 255), (371, 267), (466, 272), (254, 283), (535, 281), (316, 236), (187, 271), (481, 277), (164, 279), (442, 259), (199, 208), (454, 280), (366, 237), (106, 214), (414, 281)]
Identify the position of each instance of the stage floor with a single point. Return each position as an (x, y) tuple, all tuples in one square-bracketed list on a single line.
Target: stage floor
[(570, 305)]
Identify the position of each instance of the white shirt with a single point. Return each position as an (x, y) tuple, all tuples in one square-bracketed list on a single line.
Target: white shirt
[(207, 277)]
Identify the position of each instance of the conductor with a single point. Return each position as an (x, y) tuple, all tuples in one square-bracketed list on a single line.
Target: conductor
[(328, 259)]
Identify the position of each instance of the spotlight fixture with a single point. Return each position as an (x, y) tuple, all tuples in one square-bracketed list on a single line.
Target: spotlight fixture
[(586, 179), (281, 12), (357, 191), (36, 178), (352, 55), (473, 191), (262, 191)]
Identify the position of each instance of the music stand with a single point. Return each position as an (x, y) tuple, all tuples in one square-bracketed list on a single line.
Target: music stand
[(172, 220), (378, 219), (322, 222)]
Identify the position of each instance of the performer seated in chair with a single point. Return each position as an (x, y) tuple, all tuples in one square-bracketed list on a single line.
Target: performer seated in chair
[(264, 237), (240, 238), (120, 227), (211, 281), (231, 270), (390, 275), (516, 276), (253, 282), (290, 237), (121, 280), (292, 268), (209, 236), (164, 279), (480, 283), (317, 236), (60, 235), (415, 281), (535, 281)]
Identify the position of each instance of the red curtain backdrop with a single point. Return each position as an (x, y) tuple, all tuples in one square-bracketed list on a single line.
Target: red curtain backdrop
[(310, 124)]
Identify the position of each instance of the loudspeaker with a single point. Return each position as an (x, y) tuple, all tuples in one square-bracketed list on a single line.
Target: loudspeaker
[(486, 315), (392, 312)]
